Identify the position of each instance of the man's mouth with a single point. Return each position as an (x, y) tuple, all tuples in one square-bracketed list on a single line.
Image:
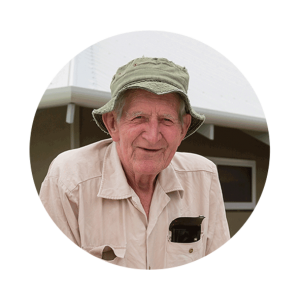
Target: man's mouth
[(150, 150)]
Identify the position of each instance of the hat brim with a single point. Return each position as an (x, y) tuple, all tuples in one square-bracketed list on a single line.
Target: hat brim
[(158, 88)]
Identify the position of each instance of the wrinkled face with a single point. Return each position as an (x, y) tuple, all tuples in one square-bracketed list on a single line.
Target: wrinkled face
[(149, 132)]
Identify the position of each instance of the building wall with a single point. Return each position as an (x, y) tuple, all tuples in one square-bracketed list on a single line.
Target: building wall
[(51, 136)]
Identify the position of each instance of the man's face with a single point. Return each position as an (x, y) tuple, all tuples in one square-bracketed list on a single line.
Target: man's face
[(149, 132)]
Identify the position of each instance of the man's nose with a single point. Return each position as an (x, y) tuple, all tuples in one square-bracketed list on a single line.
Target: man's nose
[(152, 132)]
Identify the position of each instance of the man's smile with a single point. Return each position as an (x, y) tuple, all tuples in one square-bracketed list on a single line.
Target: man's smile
[(150, 150)]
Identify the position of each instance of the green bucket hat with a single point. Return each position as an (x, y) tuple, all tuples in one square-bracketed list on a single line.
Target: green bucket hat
[(156, 75)]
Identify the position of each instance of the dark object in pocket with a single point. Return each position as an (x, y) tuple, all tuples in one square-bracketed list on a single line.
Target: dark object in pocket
[(186, 229)]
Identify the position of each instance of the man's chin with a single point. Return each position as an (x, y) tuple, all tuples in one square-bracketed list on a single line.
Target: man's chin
[(148, 168)]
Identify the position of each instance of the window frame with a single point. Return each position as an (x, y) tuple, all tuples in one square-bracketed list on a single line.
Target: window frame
[(240, 163)]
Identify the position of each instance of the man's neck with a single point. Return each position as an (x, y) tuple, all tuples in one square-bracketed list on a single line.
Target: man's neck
[(143, 186)]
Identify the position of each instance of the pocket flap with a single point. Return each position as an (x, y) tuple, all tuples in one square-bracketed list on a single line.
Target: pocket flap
[(107, 252), (111, 252)]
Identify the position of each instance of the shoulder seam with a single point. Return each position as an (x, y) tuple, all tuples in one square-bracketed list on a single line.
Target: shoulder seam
[(59, 179)]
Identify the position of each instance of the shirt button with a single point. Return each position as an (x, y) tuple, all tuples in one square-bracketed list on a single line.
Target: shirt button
[(191, 250)]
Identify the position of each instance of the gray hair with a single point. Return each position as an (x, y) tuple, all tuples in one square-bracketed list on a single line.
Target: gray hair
[(120, 103)]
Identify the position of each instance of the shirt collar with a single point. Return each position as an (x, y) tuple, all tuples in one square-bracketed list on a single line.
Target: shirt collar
[(169, 181), (114, 184)]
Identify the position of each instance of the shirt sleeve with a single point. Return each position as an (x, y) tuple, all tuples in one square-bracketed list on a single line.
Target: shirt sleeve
[(218, 231), (59, 204)]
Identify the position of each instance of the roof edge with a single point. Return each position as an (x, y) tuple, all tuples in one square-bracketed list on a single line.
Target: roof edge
[(226, 119), (95, 99), (72, 94)]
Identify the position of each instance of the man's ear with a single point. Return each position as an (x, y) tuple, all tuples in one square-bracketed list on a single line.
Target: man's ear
[(110, 122), (187, 119)]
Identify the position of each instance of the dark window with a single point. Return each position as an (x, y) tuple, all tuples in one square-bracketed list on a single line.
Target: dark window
[(236, 183)]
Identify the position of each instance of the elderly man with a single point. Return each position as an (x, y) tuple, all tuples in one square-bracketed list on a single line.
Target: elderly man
[(132, 200)]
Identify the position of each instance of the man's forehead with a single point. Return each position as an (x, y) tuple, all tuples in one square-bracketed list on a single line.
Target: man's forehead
[(138, 106)]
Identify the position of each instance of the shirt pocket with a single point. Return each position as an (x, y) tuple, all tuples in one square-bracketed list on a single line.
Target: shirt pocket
[(113, 253), (110, 253), (178, 254)]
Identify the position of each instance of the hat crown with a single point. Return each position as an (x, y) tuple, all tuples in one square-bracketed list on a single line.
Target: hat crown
[(150, 69)]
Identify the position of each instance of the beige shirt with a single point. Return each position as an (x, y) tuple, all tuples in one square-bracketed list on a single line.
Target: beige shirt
[(87, 195)]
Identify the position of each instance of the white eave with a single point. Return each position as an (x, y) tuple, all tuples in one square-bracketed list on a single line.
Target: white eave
[(73, 94)]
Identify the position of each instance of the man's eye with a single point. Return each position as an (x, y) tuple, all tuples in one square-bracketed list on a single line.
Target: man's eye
[(138, 117), (167, 120)]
